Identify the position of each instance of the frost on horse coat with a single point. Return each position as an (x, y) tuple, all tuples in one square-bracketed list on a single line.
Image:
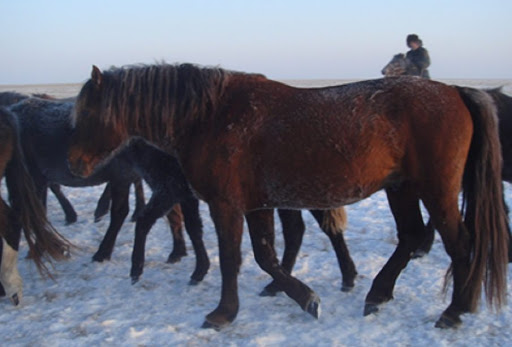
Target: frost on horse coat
[(248, 144)]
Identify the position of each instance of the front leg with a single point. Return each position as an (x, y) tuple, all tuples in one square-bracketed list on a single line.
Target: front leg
[(261, 229), (228, 222)]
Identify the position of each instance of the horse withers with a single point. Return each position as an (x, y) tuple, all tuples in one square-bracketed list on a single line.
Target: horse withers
[(248, 144)]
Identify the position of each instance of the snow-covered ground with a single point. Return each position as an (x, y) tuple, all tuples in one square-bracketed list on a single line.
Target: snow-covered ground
[(96, 304)]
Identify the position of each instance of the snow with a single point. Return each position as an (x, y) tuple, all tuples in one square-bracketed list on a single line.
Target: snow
[(95, 303)]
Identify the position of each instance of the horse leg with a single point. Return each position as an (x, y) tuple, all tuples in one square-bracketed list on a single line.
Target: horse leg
[(404, 204), (335, 233), (156, 208), (293, 232), (426, 245), (179, 250), (261, 229), (120, 208), (69, 211), (139, 198), (229, 226), (11, 283), (456, 239), (194, 228), (103, 205)]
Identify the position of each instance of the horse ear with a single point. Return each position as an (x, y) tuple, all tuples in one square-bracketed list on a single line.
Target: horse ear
[(96, 75)]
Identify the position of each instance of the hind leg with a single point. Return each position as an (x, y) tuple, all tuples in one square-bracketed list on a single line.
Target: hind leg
[(69, 211), (194, 228), (103, 205), (261, 229), (448, 221), (293, 231), (179, 250), (335, 234), (139, 198), (405, 207), (426, 245)]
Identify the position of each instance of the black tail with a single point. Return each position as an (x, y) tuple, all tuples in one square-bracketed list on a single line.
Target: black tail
[(484, 211), (43, 240)]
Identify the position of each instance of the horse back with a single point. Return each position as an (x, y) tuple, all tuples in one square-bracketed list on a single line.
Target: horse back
[(316, 148)]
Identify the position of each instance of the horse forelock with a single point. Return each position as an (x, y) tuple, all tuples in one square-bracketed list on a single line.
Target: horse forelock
[(144, 99)]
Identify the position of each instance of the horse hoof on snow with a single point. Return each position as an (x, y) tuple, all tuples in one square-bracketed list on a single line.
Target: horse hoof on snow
[(193, 282), (345, 288), (135, 279), (313, 306), (370, 309), (209, 325), (15, 299), (267, 292), (446, 322)]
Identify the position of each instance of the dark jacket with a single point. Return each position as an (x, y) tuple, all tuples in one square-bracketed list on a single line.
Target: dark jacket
[(420, 58)]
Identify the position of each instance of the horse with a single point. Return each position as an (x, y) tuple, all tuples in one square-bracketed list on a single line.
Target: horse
[(10, 98), (248, 144), (23, 212), (400, 65), (45, 131)]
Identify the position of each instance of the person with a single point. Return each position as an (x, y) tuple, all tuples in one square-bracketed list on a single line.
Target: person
[(418, 55)]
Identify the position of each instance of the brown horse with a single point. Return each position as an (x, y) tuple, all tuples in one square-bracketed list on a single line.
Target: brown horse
[(25, 211), (248, 144)]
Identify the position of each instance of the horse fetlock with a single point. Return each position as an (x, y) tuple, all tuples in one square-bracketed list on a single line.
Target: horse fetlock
[(9, 276)]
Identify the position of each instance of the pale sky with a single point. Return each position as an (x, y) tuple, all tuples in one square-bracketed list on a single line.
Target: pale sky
[(58, 41)]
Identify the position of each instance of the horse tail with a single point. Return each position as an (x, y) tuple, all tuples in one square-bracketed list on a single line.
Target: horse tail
[(43, 240), (483, 206), (335, 219)]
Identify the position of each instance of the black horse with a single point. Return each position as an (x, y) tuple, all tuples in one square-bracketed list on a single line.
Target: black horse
[(103, 207)]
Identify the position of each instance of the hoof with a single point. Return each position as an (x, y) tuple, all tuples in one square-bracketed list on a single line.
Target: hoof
[(313, 306), (419, 254), (446, 322), (15, 299), (347, 288), (370, 309), (268, 292), (135, 279), (209, 325), (193, 282), (71, 221), (175, 258), (100, 258)]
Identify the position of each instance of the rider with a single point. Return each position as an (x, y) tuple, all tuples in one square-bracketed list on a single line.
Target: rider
[(418, 55)]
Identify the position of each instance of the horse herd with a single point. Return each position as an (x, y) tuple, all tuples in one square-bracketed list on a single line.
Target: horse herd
[(247, 145)]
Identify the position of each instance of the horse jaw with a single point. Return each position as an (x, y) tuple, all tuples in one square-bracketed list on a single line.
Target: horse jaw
[(9, 275)]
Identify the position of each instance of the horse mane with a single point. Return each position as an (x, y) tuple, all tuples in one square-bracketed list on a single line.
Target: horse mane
[(146, 97)]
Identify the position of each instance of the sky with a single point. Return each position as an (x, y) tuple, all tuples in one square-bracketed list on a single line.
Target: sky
[(59, 41)]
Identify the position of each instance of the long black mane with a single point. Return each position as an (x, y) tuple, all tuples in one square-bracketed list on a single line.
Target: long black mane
[(146, 97)]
